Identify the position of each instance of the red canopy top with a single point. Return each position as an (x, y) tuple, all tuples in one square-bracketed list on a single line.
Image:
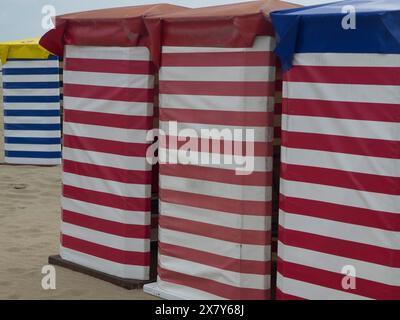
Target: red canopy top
[(234, 25), (124, 27)]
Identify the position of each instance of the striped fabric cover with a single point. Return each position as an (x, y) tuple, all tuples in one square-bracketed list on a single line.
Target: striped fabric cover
[(340, 187), (214, 237), (108, 109), (32, 127)]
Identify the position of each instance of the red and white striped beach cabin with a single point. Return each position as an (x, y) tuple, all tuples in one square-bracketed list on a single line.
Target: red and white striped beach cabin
[(109, 94), (215, 224)]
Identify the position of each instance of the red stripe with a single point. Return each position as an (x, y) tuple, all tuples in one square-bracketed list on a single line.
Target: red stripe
[(284, 296), (228, 118), (107, 173), (241, 236), (107, 199), (218, 175), (255, 208), (341, 178), (332, 280), (154, 223), (341, 213), (213, 287), (341, 248), (218, 88), (342, 110), (261, 149), (278, 109), (345, 75), (109, 66), (218, 59), (129, 149), (107, 253), (278, 85), (214, 260), (109, 120), (341, 144), (107, 226), (277, 132), (109, 93)]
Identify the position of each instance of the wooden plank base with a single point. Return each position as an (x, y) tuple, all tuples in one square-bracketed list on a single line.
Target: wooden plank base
[(128, 284)]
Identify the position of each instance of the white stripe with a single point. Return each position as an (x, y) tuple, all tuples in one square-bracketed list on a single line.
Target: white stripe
[(217, 103), (32, 120), (173, 291), (342, 127), (33, 161), (32, 134), (239, 280), (106, 133), (261, 134), (31, 78), (216, 189), (311, 291), (106, 213), (339, 230), (106, 159), (215, 246), (230, 220), (342, 92), (112, 53), (260, 44), (117, 80), (108, 106), (32, 147), (247, 163), (323, 261), (347, 59), (32, 64), (106, 266), (342, 196), (31, 92), (217, 74), (107, 186), (106, 239), (31, 106), (341, 161)]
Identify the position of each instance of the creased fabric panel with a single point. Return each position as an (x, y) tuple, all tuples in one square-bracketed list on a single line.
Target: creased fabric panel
[(340, 190), (32, 128), (108, 110), (215, 225)]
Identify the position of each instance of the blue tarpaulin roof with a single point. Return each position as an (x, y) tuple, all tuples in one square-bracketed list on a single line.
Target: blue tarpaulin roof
[(319, 28)]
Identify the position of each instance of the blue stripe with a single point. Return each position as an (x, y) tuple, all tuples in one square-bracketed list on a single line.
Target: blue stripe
[(32, 113), (15, 140), (31, 99), (30, 71), (49, 58), (33, 154), (31, 85), (32, 126)]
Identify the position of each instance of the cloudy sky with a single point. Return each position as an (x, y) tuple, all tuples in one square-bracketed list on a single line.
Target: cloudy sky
[(23, 18)]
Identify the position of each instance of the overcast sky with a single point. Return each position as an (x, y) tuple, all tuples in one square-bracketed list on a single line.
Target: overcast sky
[(23, 18)]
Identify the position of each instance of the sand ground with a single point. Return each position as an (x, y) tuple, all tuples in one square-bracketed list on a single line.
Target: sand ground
[(29, 233)]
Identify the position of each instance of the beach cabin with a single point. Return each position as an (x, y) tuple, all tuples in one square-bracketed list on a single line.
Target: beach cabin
[(217, 85), (31, 96), (109, 95), (339, 222)]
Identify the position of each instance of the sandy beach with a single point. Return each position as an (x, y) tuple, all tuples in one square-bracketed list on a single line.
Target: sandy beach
[(29, 233)]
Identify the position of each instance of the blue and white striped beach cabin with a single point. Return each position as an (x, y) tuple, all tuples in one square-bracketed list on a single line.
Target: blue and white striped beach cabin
[(31, 94)]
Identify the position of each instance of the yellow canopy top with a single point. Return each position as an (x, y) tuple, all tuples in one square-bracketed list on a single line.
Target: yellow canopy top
[(22, 49)]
